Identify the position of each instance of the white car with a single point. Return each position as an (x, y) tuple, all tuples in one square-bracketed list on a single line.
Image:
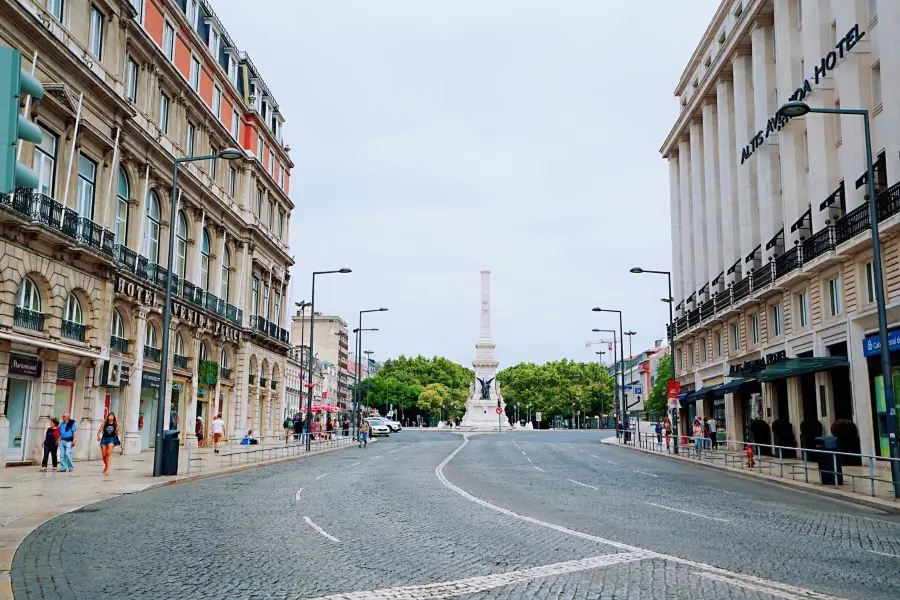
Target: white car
[(378, 427), (394, 425)]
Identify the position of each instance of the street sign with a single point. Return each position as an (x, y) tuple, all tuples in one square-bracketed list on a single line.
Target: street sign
[(637, 390), (672, 393), (537, 417), (499, 410)]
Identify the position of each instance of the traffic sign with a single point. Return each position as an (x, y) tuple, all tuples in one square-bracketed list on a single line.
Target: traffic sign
[(499, 411), (537, 416), (672, 393), (637, 390)]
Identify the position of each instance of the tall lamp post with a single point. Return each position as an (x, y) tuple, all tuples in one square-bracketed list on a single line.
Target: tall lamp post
[(312, 329), (798, 109), (164, 391), (630, 335), (616, 345), (621, 352), (670, 301), (357, 351)]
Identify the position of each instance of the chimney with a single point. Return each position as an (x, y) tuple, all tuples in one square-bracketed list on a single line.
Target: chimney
[(658, 343)]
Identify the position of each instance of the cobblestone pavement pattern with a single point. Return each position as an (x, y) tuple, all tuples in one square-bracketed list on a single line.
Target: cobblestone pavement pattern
[(522, 515)]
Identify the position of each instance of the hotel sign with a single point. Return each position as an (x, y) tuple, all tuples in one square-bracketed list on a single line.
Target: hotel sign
[(756, 365), (828, 62)]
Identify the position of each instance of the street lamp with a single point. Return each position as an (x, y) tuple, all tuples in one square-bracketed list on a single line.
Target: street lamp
[(621, 352), (227, 154), (357, 351), (671, 302), (312, 329), (616, 344), (798, 109)]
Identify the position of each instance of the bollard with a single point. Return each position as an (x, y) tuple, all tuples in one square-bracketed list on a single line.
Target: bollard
[(781, 462), (805, 466), (872, 474), (188, 458), (834, 462)]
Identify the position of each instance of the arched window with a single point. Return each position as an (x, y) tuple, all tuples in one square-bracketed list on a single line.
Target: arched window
[(204, 261), (203, 351), (29, 297), (180, 245), (223, 359), (226, 274), (122, 194), (153, 220), (73, 310), (118, 327), (151, 340), (252, 368), (179, 345)]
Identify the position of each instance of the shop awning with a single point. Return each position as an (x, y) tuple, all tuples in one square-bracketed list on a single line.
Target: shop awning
[(699, 394), (795, 367)]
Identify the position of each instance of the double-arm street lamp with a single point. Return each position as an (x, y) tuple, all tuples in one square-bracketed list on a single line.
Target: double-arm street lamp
[(357, 352), (798, 109), (312, 329), (670, 301), (165, 388), (617, 347)]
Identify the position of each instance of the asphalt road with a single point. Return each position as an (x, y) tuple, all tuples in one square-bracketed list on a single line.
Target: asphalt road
[(434, 515)]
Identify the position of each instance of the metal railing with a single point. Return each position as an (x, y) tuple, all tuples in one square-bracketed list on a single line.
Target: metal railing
[(191, 292), (852, 224), (762, 277), (225, 372), (28, 319), (117, 344), (179, 361), (742, 288), (272, 447), (789, 261), (72, 330), (819, 243), (151, 353)]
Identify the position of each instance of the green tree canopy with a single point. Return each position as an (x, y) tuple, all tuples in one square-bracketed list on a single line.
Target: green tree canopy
[(402, 382), (552, 387), (656, 401)]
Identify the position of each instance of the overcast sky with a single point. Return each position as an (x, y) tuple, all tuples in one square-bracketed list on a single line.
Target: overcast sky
[(434, 139)]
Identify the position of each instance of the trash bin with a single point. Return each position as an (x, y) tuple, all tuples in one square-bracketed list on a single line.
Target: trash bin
[(170, 452), (829, 464)]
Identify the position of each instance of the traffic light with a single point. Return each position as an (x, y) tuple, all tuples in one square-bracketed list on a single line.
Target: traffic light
[(13, 126)]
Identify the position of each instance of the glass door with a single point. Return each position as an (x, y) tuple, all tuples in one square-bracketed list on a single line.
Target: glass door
[(18, 399)]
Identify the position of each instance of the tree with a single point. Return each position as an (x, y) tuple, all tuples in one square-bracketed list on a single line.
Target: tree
[(402, 380), (657, 400)]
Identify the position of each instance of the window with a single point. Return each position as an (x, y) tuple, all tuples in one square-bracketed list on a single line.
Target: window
[(681, 362), (805, 143), (139, 7), (870, 282), (180, 245), (44, 163), (164, 113), (271, 215), (718, 342), (872, 6), (776, 320), (259, 196), (834, 35), (232, 70), (254, 303), (195, 74), (232, 178), (266, 300), (223, 358), (213, 151), (169, 41), (204, 261), (735, 337), (226, 274), (118, 328), (95, 36), (259, 145), (87, 174), (204, 353), (739, 10), (754, 329), (214, 39), (29, 297), (190, 139), (192, 13), (703, 352), (179, 344), (277, 307), (55, 8), (131, 83), (150, 334), (281, 177), (876, 84), (217, 102), (73, 310), (691, 354), (153, 219), (803, 308), (834, 296), (123, 192), (837, 123), (271, 163), (280, 225), (235, 124)]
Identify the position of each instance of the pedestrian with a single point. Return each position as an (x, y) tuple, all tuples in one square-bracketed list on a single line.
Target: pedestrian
[(67, 431), (218, 432), (329, 429), (667, 430), (658, 429), (363, 434), (748, 451), (198, 430), (108, 436), (712, 425), (51, 443), (346, 427), (288, 426), (698, 435)]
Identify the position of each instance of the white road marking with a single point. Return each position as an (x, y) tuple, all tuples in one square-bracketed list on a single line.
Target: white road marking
[(374, 457), (732, 493), (474, 585), (394, 450), (645, 473), (297, 497), (320, 530), (523, 453), (529, 459), (687, 512), (883, 553), (353, 465), (584, 484), (538, 468), (594, 456), (767, 585), (611, 462), (781, 591), (323, 475)]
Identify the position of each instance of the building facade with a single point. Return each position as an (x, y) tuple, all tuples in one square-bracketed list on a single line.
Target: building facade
[(329, 347), (130, 86), (771, 237)]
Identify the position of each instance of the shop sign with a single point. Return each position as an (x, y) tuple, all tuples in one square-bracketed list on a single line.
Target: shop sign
[(758, 364), (177, 387), (150, 380), (198, 319), (136, 291), (827, 63), (872, 344), (24, 365)]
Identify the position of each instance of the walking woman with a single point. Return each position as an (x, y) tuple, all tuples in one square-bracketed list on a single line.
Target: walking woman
[(667, 430), (51, 443), (108, 436)]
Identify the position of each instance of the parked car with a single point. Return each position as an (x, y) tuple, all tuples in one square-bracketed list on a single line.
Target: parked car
[(378, 427), (394, 425)]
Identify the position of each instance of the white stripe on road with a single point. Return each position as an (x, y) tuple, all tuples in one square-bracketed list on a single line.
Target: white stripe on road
[(645, 473), (523, 453), (594, 456), (529, 459), (776, 593), (611, 462), (374, 457), (353, 465), (297, 497), (394, 450), (320, 530), (474, 585), (323, 475), (883, 553), (584, 484), (687, 512), (769, 586), (538, 468)]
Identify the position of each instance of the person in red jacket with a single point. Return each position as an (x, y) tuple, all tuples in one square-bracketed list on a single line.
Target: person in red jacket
[(51, 443)]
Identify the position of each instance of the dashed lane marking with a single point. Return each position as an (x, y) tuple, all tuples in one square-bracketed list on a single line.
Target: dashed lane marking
[(538, 468), (645, 473), (297, 497), (594, 456), (320, 530), (584, 484), (529, 459), (353, 465), (323, 475), (611, 462), (883, 553), (687, 512), (768, 586)]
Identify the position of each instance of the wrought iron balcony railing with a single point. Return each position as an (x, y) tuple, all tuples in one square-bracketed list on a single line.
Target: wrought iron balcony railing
[(72, 330), (151, 353), (117, 344), (180, 362), (28, 319)]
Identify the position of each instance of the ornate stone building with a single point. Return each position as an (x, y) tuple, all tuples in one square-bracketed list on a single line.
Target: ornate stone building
[(130, 86)]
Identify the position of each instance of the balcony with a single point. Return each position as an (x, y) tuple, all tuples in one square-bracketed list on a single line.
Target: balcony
[(215, 304), (190, 292), (72, 331), (852, 224), (234, 314), (693, 317), (741, 290), (263, 381), (707, 310), (151, 353), (117, 344), (274, 384), (251, 379), (180, 362), (818, 244), (28, 319), (269, 329), (226, 373), (763, 277), (789, 261)]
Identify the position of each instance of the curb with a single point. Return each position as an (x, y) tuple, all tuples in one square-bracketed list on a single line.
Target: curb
[(867, 501), (7, 553)]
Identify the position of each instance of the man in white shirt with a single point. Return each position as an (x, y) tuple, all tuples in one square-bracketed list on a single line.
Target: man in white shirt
[(712, 424), (218, 431)]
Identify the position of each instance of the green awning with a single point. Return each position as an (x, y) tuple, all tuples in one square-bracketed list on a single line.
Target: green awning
[(794, 367)]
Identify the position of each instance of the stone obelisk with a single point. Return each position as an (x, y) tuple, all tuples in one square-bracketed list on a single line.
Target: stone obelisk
[(484, 393)]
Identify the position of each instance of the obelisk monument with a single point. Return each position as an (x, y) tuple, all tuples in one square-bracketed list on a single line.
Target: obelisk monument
[(484, 393)]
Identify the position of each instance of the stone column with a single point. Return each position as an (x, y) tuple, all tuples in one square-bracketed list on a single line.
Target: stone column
[(889, 50), (687, 236), (214, 404), (191, 397), (89, 408), (43, 398), (132, 440), (728, 193), (675, 210), (4, 386), (825, 400), (698, 206), (745, 130), (713, 198), (795, 406), (734, 420), (216, 275), (860, 390), (195, 244)]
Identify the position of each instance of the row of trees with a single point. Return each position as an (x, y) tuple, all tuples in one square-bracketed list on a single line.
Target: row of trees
[(553, 387)]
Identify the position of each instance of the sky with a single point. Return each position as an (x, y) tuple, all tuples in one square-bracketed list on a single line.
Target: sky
[(432, 140)]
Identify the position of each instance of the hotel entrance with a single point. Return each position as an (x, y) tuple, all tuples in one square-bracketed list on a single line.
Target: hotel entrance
[(18, 402)]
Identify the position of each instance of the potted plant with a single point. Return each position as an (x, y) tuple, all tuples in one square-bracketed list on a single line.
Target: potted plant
[(760, 434), (810, 429), (848, 441), (783, 433)]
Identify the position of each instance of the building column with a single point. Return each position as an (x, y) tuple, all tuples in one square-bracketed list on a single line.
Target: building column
[(215, 279), (194, 245), (132, 433), (675, 211), (91, 409), (745, 169), (713, 198), (728, 194), (734, 420), (795, 406), (4, 386), (825, 400), (191, 417), (687, 221), (698, 206), (859, 388), (43, 399), (889, 51)]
